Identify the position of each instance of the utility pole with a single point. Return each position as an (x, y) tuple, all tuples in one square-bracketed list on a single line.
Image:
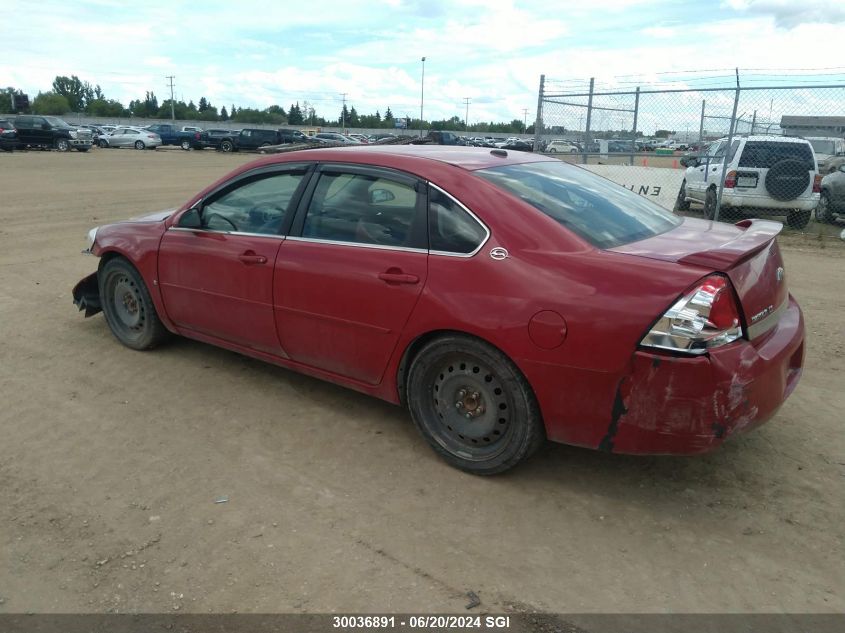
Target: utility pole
[(467, 101), (172, 108), (525, 120), (343, 113), (422, 94)]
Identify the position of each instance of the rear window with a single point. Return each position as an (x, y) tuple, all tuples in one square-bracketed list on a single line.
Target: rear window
[(823, 146), (601, 212), (764, 154)]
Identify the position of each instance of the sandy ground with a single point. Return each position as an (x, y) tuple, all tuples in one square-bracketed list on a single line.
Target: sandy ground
[(111, 462)]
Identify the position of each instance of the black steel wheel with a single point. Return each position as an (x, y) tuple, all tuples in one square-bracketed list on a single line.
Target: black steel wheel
[(128, 307), (227, 146), (473, 405)]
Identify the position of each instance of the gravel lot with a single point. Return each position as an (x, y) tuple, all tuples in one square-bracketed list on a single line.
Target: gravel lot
[(111, 462)]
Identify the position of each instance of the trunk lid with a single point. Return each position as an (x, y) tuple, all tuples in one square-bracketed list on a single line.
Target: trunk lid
[(746, 252)]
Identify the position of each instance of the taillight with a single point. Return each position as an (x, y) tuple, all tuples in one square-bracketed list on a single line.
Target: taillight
[(730, 180), (150, 135), (817, 183), (705, 317)]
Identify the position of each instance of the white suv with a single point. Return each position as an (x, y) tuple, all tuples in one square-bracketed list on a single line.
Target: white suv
[(769, 174), (562, 147)]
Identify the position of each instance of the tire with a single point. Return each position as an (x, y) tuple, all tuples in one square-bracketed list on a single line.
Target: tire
[(82, 149), (787, 179), (710, 203), (681, 203), (185, 145), (824, 210), (139, 145), (62, 144), (128, 307), (573, 151), (798, 219), (553, 151), (227, 146), (473, 405), (104, 143)]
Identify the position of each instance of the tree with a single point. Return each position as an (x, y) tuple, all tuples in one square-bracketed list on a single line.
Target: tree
[(72, 89), (224, 116), (105, 108), (388, 116), (663, 133), (203, 105), (50, 103), (295, 115)]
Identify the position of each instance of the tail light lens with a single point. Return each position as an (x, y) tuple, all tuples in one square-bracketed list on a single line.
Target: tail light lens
[(817, 183), (730, 180), (705, 317), (151, 135)]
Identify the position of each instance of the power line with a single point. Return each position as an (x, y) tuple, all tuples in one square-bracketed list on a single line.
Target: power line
[(467, 101), (172, 107)]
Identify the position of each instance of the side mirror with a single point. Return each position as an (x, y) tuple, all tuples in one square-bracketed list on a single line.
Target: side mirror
[(191, 219), (377, 196)]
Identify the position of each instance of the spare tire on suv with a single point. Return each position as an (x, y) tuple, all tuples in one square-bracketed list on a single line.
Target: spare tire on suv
[(787, 179)]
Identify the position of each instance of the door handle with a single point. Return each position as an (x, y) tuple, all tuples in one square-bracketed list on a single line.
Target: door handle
[(398, 278), (250, 258)]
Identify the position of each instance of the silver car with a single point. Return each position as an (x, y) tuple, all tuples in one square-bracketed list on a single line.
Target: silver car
[(131, 137)]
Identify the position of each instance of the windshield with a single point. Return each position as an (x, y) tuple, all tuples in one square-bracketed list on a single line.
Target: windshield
[(594, 208), (822, 146), (56, 121)]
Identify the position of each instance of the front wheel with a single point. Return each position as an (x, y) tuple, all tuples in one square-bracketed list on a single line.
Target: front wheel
[(62, 145), (139, 145), (185, 145), (128, 307), (824, 212), (473, 405), (103, 143), (798, 219), (226, 146)]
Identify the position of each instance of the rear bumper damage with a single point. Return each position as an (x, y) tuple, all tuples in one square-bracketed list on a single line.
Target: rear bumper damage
[(680, 405), (86, 295)]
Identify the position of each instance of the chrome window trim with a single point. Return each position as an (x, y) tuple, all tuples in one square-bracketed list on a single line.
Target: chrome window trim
[(247, 234), (383, 247), (758, 329), (473, 216)]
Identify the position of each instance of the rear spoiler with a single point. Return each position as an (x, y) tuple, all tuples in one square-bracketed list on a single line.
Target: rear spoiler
[(755, 237)]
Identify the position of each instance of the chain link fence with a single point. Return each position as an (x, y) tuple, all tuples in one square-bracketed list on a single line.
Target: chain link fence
[(725, 153)]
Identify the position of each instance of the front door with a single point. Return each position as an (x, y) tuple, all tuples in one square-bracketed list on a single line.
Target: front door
[(216, 263), (352, 270)]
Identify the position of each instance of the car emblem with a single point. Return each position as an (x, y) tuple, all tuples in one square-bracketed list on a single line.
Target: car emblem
[(779, 274), (498, 253)]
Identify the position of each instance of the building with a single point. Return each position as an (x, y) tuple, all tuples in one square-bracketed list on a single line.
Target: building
[(813, 125)]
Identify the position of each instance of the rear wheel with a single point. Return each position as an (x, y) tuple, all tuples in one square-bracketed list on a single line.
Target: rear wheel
[(681, 203), (139, 145), (710, 204), (128, 307), (552, 151), (824, 212), (798, 219), (473, 405)]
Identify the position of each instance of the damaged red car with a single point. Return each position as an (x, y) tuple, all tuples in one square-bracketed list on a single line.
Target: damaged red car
[(505, 298)]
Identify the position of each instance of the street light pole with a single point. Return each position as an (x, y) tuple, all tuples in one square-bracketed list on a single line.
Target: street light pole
[(422, 94)]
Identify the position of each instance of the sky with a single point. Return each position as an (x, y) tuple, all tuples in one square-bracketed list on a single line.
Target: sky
[(255, 53)]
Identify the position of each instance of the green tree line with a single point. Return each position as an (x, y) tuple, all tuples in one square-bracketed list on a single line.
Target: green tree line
[(72, 95)]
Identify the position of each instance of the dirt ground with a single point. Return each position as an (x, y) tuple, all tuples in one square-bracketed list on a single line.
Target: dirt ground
[(111, 463)]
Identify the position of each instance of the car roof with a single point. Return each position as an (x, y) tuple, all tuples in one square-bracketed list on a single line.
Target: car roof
[(469, 158)]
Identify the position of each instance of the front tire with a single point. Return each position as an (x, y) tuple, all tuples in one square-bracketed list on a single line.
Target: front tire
[(473, 405), (139, 145), (128, 306), (62, 145), (227, 146), (824, 212), (185, 145)]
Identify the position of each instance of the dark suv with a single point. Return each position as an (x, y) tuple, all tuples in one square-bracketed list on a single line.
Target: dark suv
[(8, 136), (52, 132), (250, 138)]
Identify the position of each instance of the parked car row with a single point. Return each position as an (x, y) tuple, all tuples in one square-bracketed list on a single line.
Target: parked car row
[(45, 132)]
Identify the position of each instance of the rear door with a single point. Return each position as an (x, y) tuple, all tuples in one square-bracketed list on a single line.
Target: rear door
[(782, 170), (352, 270), (216, 264)]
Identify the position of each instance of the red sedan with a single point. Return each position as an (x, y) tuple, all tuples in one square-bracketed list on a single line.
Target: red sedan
[(504, 298)]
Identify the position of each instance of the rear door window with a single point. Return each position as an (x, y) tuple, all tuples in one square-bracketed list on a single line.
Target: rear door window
[(765, 154)]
